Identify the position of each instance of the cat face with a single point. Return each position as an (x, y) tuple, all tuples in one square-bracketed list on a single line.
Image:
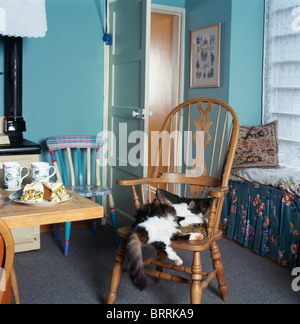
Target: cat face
[(196, 205), (200, 206)]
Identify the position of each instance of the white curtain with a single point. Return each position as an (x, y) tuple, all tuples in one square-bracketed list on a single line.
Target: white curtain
[(282, 76), (24, 18)]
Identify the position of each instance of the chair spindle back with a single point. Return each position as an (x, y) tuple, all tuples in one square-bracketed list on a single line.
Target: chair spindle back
[(196, 149), (74, 155), (198, 139)]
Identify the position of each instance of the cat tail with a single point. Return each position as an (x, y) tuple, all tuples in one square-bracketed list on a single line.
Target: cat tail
[(136, 266)]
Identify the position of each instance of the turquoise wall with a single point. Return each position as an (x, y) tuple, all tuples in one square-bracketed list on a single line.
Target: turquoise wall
[(241, 53), (203, 13), (174, 3), (246, 60), (63, 72), (1, 77), (200, 14)]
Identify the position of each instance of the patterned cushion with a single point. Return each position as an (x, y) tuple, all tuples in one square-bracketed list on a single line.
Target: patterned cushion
[(257, 147)]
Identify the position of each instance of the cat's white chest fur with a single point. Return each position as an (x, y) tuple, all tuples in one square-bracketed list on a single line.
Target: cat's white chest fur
[(160, 229)]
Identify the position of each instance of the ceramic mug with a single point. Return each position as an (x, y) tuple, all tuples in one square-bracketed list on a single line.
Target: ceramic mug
[(12, 173), (40, 171)]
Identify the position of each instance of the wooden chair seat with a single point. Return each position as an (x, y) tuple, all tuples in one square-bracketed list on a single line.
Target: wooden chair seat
[(197, 245), (212, 129), (90, 191), (124, 232)]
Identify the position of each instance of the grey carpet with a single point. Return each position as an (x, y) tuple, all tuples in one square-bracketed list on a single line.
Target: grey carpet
[(47, 277)]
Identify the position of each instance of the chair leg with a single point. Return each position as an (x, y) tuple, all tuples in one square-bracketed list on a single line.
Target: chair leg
[(117, 272), (95, 228), (67, 237), (217, 264), (57, 231), (196, 289), (14, 286), (113, 216)]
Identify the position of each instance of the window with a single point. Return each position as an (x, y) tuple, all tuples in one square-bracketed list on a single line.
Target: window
[(282, 76)]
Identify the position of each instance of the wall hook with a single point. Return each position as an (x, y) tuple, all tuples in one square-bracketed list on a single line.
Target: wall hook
[(107, 39)]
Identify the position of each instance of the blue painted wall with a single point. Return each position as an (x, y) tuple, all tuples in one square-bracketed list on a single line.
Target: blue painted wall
[(63, 72), (203, 13), (241, 53), (173, 3), (246, 60), (1, 77)]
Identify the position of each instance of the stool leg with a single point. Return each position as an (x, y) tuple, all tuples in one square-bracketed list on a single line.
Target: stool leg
[(67, 237), (57, 231), (113, 216)]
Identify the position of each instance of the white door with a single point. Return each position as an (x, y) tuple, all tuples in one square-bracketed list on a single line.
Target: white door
[(128, 96)]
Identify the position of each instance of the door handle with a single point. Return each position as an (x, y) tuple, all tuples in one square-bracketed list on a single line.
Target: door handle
[(140, 114)]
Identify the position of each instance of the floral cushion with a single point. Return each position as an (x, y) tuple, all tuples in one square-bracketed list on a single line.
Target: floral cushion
[(257, 147)]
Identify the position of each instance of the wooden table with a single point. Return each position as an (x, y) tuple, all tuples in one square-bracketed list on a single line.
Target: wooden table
[(20, 215)]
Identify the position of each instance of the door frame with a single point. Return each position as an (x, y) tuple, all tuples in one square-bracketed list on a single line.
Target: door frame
[(177, 12)]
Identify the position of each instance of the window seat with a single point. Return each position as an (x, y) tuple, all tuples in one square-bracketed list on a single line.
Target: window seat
[(262, 212), (287, 179)]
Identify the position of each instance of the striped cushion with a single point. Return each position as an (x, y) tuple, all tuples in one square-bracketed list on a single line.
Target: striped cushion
[(64, 142)]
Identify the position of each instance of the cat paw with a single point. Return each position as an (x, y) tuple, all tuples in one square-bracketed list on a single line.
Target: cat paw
[(178, 262), (196, 237)]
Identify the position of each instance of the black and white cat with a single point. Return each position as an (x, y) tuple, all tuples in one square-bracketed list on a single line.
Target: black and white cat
[(157, 225)]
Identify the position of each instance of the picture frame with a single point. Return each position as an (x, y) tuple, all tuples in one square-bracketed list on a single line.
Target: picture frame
[(205, 57)]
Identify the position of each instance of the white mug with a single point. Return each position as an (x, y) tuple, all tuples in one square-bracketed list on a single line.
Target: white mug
[(40, 171), (12, 173)]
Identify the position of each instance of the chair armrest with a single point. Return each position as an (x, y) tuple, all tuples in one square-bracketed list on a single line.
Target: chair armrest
[(134, 182), (218, 192), (175, 179)]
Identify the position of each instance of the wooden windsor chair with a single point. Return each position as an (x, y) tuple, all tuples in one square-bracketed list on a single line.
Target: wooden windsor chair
[(214, 135), (75, 155), (7, 270)]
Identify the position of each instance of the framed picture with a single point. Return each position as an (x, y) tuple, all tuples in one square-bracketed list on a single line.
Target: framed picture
[(205, 57)]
